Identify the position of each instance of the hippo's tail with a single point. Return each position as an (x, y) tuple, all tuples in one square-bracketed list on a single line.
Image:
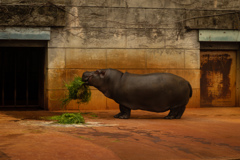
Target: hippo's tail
[(189, 85)]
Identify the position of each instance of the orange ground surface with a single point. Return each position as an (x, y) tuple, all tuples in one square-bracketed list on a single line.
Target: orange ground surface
[(202, 133)]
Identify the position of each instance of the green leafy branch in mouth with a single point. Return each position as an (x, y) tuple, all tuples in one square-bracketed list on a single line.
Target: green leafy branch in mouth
[(77, 90)]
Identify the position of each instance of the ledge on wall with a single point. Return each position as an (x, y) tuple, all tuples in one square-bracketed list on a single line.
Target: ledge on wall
[(24, 33), (219, 36)]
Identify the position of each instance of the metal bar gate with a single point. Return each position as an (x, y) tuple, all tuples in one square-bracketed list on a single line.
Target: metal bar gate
[(21, 81)]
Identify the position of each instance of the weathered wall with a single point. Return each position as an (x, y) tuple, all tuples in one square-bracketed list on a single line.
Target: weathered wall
[(127, 36), (138, 36), (32, 13)]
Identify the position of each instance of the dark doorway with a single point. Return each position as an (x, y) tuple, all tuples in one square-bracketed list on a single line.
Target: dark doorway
[(22, 77)]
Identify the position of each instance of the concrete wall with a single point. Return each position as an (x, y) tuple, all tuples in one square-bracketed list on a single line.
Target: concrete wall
[(137, 36), (133, 36)]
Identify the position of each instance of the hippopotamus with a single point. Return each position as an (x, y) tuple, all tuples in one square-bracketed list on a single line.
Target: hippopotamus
[(156, 92)]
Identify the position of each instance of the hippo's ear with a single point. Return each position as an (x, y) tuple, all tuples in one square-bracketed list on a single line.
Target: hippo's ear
[(102, 74)]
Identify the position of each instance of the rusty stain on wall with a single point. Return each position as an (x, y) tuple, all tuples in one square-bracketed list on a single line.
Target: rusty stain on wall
[(217, 78)]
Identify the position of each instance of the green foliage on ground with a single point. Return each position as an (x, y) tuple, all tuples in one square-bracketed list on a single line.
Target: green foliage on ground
[(68, 118), (77, 90)]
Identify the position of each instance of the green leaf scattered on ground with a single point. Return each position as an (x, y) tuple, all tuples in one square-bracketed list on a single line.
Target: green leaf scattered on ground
[(116, 140), (91, 114), (86, 138), (69, 118)]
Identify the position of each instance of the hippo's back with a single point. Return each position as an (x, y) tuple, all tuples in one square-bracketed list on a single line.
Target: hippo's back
[(154, 92)]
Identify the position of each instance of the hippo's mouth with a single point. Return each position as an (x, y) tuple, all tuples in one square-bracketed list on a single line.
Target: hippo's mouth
[(86, 79)]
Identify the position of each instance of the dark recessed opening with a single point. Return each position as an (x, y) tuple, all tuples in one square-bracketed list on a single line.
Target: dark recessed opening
[(21, 82)]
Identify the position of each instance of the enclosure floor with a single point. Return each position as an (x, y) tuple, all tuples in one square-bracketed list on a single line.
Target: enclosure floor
[(202, 133)]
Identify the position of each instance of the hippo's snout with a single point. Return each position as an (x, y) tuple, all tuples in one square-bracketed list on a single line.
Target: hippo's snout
[(85, 79), (86, 76)]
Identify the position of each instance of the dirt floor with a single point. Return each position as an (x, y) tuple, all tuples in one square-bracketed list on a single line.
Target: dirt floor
[(203, 133)]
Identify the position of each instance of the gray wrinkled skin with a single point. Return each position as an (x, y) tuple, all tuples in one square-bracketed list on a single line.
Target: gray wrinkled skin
[(157, 92)]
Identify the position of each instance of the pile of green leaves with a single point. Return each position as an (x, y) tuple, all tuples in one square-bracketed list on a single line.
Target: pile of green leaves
[(77, 90), (69, 118)]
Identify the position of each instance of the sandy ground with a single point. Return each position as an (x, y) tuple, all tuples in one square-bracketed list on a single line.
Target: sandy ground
[(203, 133)]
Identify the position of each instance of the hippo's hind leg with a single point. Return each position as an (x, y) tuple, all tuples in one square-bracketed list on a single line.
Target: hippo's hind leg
[(180, 112), (125, 112), (176, 112), (171, 114)]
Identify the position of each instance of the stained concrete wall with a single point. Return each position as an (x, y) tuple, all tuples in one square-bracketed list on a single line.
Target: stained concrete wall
[(137, 36), (115, 36)]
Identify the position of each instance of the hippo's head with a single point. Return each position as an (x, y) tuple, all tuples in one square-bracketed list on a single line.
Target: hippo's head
[(105, 80), (94, 78)]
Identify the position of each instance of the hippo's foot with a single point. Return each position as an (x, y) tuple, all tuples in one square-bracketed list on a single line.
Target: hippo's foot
[(124, 112), (176, 113), (122, 116), (169, 117), (118, 115)]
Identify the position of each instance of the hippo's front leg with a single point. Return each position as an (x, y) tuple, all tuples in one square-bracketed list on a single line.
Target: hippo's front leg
[(125, 112)]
